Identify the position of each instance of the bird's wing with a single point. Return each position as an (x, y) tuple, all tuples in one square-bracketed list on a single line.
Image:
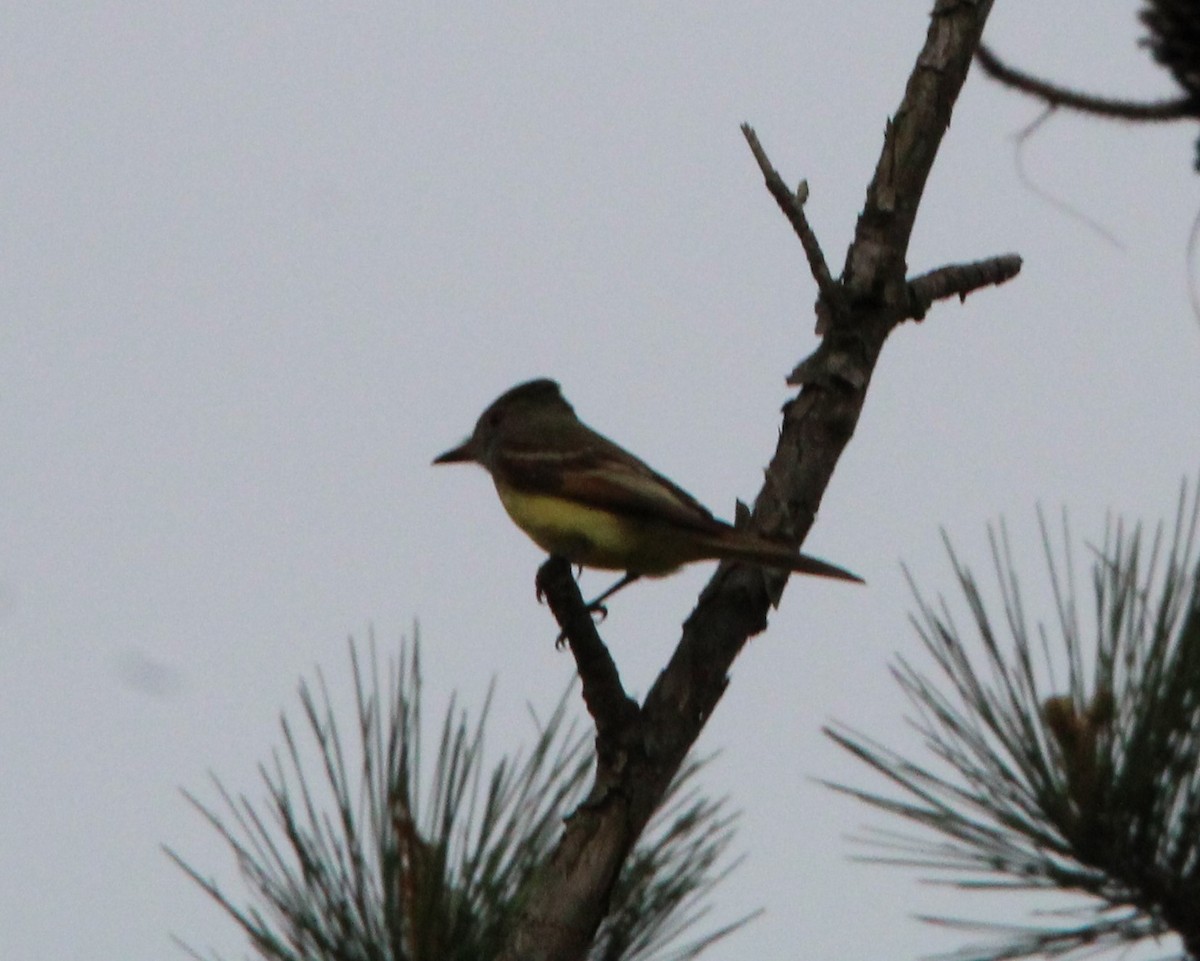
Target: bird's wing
[(606, 476)]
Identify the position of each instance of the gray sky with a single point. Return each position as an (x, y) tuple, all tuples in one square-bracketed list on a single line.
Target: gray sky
[(262, 264)]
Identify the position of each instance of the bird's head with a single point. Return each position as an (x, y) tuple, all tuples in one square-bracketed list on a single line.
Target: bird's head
[(519, 412)]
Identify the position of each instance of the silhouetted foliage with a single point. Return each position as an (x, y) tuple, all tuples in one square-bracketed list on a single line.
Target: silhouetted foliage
[(372, 866), (1087, 783)]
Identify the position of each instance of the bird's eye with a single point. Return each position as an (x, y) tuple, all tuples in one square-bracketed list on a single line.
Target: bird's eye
[(494, 418)]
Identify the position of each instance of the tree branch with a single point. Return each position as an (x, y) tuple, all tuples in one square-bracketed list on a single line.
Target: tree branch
[(611, 708), (792, 205), (958, 280), (1055, 96), (571, 894)]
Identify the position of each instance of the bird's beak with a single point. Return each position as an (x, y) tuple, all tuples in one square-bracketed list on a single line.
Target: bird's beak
[(461, 454)]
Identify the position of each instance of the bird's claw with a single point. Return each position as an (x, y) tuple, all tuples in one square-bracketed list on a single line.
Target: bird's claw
[(598, 611)]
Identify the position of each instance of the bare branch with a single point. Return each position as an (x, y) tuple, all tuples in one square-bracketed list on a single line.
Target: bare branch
[(958, 280), (610, 707), (1053, 95), (570, 897), (792, 205)]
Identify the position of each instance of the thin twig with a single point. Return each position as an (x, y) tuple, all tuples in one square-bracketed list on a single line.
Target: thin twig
[(1055, 96), (792, 205)]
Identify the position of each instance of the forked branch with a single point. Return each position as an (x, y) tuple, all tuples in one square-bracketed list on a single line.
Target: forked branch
[(567, 904)]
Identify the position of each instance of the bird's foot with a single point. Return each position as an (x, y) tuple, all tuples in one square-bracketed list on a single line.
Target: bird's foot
[(598, 611)]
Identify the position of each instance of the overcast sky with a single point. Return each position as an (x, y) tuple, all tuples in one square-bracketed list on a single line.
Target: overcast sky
[(262, 262)]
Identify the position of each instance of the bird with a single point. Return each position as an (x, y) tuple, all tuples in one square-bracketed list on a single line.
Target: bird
[(582, 497)]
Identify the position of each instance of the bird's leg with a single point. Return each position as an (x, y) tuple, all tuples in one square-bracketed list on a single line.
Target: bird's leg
[(597, 606)]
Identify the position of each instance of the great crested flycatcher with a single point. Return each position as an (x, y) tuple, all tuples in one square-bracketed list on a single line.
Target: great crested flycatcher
[(580, 496)]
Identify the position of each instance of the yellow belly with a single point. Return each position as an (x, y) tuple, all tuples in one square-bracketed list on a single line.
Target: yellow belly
[(597, 538)]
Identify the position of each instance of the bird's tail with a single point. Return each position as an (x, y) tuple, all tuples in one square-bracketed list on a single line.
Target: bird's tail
[(803, 564), (739, 545)]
